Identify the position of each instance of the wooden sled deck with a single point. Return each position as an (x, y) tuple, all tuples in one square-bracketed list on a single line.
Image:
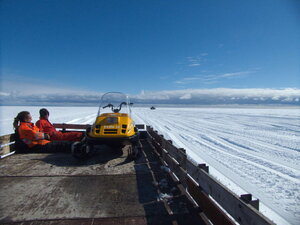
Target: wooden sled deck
[(161, 187)]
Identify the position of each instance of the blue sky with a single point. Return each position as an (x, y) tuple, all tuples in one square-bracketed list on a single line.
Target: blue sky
[(132, 46)]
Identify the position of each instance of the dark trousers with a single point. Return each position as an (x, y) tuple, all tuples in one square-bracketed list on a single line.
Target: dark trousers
[(51, 147), (56, 146)]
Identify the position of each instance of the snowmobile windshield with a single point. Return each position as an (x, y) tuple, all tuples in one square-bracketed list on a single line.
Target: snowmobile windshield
[(115, 102)]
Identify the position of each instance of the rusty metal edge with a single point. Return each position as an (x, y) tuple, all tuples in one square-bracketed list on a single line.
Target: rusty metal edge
[(212, 210)]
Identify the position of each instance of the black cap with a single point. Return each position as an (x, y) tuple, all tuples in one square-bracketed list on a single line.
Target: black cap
[(44, 112)]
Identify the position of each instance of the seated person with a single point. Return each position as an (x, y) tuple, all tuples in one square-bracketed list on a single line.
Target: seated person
[(35, 140), (45, 126)]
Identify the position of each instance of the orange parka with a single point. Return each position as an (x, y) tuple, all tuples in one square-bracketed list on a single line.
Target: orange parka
[(45, 126), (31, 135)]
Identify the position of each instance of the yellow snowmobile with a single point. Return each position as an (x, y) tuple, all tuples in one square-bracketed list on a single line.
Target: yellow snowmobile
[(113, 126)]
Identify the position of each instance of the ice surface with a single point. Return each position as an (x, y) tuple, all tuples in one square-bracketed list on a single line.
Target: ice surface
[(254, 150)]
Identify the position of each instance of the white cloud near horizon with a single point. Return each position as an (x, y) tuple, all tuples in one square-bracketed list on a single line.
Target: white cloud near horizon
[(189, 96), (247, 93), (39, 93)]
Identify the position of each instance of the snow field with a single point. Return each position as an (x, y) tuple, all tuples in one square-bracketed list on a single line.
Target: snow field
[(252, 150), (258, 149)]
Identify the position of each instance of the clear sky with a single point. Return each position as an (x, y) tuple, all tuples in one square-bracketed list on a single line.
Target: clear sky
[(152, 45)]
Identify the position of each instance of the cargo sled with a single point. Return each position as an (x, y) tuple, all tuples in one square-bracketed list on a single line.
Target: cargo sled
[(162, 186)]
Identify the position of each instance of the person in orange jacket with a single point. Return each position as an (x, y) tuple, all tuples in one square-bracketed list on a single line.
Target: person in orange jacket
[(45, 126), (30, 135)]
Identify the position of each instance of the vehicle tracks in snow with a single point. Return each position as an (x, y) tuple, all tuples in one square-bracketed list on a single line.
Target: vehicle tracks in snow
[(259, 152)]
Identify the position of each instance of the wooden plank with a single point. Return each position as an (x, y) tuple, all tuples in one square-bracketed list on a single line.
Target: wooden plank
[(247, 198), (157, 147), (101, 187), (166, 157), (210, 208), (177, 153), (114, 196), (239, 210), (154, 142), (155, 135), (173, 151), (181, 174), (191, 168), (71, 126), (8, 138), (162, 141), (175, 167), (155, 138), (7, 149), (151, 131), (182, 158)]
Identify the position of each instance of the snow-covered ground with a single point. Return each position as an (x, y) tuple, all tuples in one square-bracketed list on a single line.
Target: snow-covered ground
[(254, 150)]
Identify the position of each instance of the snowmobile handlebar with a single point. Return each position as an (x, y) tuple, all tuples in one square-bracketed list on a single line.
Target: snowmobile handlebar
[(115, 110), (109, 105)]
